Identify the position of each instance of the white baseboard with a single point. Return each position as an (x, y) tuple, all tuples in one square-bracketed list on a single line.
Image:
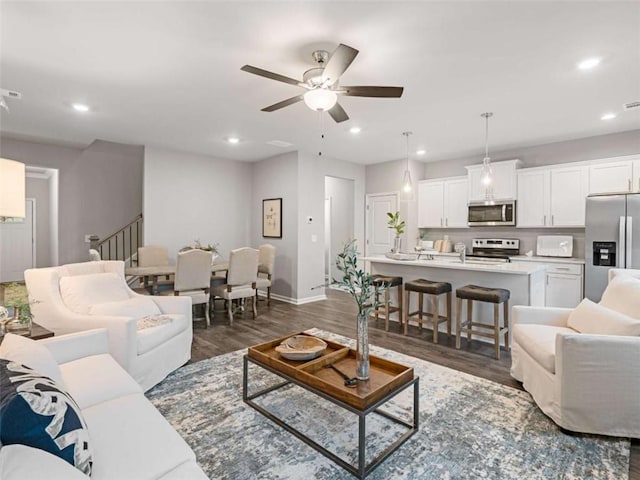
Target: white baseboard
[(293, 301)]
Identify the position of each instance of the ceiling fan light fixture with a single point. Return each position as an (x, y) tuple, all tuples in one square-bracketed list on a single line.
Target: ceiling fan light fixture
[(320, 99)]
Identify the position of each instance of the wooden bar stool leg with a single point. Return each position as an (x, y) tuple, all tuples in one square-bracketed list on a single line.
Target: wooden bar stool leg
[(400, 305), (407, 309), (449, 314), (469, 318), (420, 308), (507, 326), (387, 292), (436, 317), (496, 328), (458, 321)]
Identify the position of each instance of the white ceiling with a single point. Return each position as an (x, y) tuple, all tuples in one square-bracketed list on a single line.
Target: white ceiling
[(168, 73)]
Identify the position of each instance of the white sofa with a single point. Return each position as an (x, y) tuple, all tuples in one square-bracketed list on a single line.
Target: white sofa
[(130, 439), (584, 382), (149, 354)]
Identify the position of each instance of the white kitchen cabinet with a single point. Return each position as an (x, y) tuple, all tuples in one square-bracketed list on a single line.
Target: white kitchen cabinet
[(504, 181), (564, 282), (568, 192), (431, 204), (613, 177), (442, 203), (533, 198), (552, 197), (455, 203)]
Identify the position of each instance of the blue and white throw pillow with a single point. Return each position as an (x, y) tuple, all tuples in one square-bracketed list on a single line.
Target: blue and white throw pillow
[(37, 412)]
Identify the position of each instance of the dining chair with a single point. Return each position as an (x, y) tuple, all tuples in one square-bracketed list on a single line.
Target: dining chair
[(151, 256), (241, 279), (266, 261), (193, 273)]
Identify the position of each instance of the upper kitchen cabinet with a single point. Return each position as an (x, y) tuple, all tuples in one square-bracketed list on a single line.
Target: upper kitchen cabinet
[(504, 181), (442, 203), (552, 197), (533, 198), (615, 175), (568, 191)]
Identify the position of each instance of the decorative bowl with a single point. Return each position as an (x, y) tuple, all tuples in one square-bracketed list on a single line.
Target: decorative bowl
[(401, 256), (301, 347)]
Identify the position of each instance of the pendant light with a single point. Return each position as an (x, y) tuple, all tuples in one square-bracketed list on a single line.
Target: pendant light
[(486, 175), (407, 185)]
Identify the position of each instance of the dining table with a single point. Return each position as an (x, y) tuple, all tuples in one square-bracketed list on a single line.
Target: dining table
[(154, 271)]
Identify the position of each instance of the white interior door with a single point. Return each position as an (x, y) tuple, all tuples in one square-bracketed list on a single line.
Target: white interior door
[(17, 245), (379, 236)]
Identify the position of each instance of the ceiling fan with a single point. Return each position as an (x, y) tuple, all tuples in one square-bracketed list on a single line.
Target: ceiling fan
[(322, 85)]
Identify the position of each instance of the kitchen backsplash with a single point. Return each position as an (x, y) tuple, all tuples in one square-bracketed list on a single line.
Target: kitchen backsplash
[(527, 236)]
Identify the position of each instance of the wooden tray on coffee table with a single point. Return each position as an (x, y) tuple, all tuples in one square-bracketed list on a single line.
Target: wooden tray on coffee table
[(385, 376)]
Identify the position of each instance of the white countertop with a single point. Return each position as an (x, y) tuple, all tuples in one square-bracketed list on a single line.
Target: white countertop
[(524, 258), (453, 262)]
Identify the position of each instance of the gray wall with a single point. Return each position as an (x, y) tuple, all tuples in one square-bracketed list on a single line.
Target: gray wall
[(100, 187), (311, 174), (387, 178), (38, 188), (582, 149), (277, 177), (191, 197)]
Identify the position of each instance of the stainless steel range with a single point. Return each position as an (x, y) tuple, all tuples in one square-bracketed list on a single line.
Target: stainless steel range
[(495, 248)]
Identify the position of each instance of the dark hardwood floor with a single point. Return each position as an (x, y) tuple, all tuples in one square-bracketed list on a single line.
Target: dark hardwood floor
[(337, 314)]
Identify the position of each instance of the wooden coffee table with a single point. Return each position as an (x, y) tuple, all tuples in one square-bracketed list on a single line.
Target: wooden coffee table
[(387, 379)]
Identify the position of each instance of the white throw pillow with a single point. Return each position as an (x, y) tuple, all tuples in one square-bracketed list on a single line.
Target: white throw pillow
[(589, 317), (32, 354), (136, 307), (79, 292), (19, 462), (623, 295)]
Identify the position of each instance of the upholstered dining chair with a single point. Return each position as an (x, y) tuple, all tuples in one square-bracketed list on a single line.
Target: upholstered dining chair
[(151, 256), (241, 279), (266, 262), (193, 273)]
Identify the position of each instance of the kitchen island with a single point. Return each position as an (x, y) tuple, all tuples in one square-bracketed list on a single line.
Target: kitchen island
[(526, 281)]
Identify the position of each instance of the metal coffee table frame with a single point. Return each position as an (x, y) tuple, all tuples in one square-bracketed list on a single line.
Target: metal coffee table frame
[(363, 469)]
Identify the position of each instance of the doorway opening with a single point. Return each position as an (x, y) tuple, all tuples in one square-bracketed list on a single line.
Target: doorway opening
[(339, 221)]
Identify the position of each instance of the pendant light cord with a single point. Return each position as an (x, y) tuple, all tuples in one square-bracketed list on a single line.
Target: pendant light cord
[(486, 137)]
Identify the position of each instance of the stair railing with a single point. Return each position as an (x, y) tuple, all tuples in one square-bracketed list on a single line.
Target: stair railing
[(121, 245)]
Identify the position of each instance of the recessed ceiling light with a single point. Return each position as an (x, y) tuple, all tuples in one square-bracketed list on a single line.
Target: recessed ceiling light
[(233, 140), (589, 63), (420, 152), (608, 116), (80, 107), (355, 129)]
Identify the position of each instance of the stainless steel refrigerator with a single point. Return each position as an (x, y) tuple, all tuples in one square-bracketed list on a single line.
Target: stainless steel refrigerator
[(612, 239)]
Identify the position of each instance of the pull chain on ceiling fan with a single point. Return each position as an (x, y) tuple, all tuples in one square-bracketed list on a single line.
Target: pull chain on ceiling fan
[(322, 84)]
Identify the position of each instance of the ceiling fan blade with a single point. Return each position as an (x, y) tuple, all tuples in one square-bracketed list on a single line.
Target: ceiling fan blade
[(338, 113), (284, 103), (271, 75), (369, 91), (339, 61)]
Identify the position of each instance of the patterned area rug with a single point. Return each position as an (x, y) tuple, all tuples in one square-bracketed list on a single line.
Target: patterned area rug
[(470, 428)]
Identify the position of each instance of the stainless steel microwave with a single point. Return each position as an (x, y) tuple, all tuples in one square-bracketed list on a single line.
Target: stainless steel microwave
[(501, 213)]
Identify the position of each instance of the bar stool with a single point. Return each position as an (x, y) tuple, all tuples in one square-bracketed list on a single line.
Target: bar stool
[(489, 295), (387, 282), (427, 287)]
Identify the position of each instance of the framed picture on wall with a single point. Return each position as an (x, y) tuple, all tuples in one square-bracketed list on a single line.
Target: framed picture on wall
[(272, 218)]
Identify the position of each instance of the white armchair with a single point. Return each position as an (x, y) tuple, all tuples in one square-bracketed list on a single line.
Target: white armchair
[(585, 382), (84, 296)]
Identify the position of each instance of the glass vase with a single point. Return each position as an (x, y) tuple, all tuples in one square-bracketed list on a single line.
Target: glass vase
[(397, 244), (362, 347)]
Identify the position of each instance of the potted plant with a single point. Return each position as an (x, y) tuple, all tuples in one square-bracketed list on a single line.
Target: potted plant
[(208, 248), (17, 314), (362, 288), (396, 224)]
